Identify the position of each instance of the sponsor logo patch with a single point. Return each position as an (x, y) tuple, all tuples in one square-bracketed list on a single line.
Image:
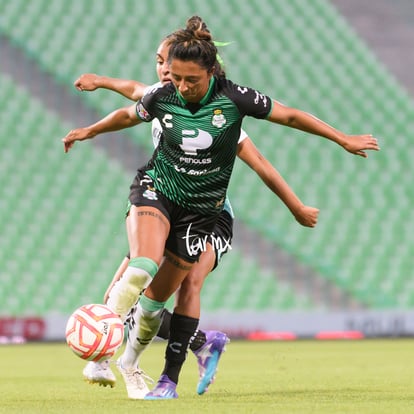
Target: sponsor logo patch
[(142, 112)]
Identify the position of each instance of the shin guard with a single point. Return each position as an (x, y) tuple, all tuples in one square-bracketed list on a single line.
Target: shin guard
[(127, 289)]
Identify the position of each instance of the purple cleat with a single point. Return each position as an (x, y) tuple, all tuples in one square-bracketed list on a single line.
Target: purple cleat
[(208, 357), (164, 390)]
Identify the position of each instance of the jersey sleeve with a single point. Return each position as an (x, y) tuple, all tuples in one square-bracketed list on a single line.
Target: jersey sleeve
[(250, 101), (152, 87), (243, 136), (142, 111), (144, 107), (156, 131)]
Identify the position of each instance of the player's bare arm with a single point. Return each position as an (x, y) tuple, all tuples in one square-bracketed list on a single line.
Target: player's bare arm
[(295, 118), (120, 119), (248, 152), (131, 89)]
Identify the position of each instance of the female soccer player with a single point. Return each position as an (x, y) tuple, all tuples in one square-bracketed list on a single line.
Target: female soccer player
[(206, 346), (177, 197)]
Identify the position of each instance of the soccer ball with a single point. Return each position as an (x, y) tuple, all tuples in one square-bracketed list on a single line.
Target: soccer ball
[(94, 332)]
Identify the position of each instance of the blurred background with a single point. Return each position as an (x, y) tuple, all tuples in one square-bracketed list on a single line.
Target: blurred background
[(349, 62)]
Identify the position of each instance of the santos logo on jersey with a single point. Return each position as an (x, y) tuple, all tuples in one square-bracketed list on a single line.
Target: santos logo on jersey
[(218, 119)]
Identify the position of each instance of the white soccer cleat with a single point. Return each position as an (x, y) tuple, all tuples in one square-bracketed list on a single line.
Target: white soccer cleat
[(99, 373), (135, 383)]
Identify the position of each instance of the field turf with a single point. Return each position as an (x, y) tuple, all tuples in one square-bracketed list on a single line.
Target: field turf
[(369, 376)]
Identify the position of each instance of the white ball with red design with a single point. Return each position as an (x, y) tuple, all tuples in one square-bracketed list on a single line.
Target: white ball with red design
[(94, 332)]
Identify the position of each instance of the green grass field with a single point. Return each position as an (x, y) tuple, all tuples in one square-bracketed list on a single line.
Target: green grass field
[(370, 376)]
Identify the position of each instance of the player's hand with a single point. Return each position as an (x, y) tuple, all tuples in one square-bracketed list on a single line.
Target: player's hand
[(307, 216), (75, 135), (357, 144), (86, 82)]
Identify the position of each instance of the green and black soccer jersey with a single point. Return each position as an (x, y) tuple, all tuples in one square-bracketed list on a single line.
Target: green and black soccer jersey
[(194, 160)]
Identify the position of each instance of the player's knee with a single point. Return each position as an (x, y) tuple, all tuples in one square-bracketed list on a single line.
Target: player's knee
[(192, 284)]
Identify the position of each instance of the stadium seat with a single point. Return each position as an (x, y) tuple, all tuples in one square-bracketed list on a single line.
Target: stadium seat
[(301, 53)]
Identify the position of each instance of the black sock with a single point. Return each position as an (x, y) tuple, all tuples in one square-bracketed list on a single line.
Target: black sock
[(182, 329), (164, 330), (198, 341)]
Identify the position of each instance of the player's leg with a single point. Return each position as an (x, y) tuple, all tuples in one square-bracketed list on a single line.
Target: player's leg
[(100, 372), (207, 346), (147, 230), (189, 292), (127, 286), (208, 353), (147, 319), (184, 320), (119, 272), (147, 226), (188, 295)]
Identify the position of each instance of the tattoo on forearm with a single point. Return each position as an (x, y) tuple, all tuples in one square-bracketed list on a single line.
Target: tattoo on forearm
[(176, 263)]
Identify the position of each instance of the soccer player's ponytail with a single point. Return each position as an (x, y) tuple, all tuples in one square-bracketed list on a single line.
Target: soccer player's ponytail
[(195, 44)]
